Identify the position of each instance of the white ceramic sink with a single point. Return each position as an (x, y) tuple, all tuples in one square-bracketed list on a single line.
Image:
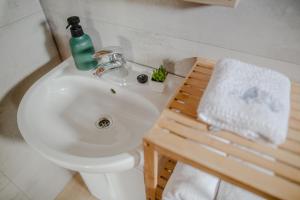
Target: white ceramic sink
[(67, 113), (59, 116)]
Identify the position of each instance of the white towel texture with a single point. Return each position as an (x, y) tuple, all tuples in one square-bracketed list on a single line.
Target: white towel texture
[(230, 192), (251, 101), (188, 183)]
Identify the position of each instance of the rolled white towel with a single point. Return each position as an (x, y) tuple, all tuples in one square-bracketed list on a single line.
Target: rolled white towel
[(188, 183), (251, 101)]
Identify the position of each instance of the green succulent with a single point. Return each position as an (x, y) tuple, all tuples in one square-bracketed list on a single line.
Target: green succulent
[(159, 74)]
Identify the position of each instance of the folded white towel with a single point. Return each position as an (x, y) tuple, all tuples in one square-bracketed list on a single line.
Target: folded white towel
[(229, 192), (188, 183), (248, 100)]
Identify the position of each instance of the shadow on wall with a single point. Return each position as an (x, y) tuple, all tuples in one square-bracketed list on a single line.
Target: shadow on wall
[(177, 4), (10, 102), (179, 67), (49, 43), (126, 47), (92, 31)]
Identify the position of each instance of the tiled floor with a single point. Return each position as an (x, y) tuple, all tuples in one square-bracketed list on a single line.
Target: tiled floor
[(8, 190), (75, 190)]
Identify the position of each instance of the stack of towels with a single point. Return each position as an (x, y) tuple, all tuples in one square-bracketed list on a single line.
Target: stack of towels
[(245, 99)]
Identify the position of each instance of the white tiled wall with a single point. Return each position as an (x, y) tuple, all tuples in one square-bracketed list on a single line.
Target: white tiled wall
[(27, 50), (153, 31)]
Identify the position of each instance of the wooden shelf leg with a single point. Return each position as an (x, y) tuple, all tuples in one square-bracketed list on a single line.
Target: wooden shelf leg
[(150, 170)]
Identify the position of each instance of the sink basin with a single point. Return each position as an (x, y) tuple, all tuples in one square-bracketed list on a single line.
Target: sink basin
[(68, 111), (86, 123)]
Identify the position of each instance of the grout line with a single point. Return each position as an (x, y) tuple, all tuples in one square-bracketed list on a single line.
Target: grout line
[(194, 41), (20, 19), (52, 33), (17, 187), (155, 68)]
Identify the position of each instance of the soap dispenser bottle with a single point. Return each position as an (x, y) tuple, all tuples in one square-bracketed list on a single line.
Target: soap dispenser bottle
[(81, 46)]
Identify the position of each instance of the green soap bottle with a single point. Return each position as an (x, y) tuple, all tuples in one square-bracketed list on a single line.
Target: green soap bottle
[(81, 46)]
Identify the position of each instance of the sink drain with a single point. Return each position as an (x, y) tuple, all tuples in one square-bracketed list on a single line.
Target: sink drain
[(104, 122)]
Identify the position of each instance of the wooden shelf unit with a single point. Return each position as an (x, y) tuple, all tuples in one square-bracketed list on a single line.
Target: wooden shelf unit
[(268, 171)]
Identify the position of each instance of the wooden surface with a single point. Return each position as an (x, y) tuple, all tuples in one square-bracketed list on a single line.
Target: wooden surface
[(272, 172), (230, 3), (164, 175), (75, 190)]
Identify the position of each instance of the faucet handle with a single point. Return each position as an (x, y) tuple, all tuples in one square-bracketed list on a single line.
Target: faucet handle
[(102, 53), (107, 57)]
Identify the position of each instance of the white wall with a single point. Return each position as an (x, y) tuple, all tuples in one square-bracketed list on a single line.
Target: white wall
[(265, 32), (27, 51)]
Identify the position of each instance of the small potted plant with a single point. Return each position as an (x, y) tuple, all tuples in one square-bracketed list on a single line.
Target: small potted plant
[(158, 78)]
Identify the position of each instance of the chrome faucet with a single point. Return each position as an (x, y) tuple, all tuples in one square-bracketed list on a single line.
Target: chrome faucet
[(108, 60)]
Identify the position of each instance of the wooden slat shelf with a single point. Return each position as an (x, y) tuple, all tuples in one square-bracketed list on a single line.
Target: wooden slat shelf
[(269, 171)]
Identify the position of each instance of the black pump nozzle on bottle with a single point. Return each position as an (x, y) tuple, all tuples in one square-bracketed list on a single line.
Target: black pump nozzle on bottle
[(76, 29)]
